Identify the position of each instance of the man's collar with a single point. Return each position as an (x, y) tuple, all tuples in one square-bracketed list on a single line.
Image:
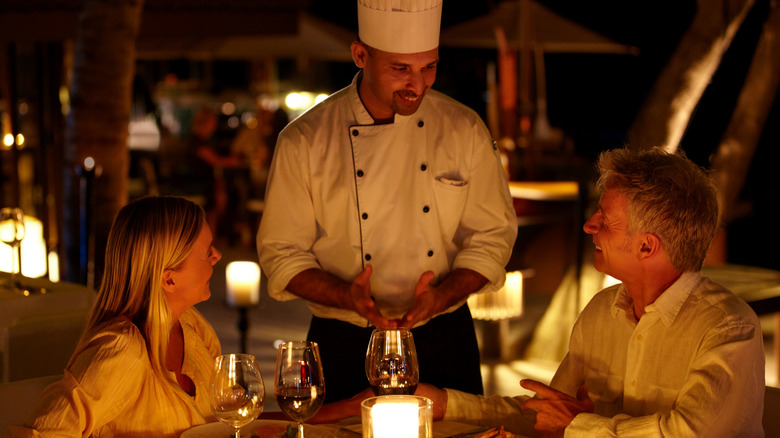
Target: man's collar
[(668, 304)]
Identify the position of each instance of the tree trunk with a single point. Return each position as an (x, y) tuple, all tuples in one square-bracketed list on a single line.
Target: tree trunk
[(731, 160), (97, 127), (666, 112)]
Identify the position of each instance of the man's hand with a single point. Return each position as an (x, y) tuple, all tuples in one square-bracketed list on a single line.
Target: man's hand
[(554, 409), (360, 294), (425, 303), (333, 412)]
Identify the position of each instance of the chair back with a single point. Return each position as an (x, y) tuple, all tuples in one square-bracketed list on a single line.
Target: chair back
[(17, 399)]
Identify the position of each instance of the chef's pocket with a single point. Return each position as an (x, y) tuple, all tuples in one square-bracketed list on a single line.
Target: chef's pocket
[(450, 198)]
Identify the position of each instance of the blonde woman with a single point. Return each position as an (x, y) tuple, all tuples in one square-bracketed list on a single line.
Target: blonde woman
[(144, 360)]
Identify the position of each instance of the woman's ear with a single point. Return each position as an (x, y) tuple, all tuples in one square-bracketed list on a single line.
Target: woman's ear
[(168, 281)]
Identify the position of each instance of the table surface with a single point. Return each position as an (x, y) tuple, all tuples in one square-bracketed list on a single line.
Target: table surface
[(61, 310), (347, 428), (759, 287)]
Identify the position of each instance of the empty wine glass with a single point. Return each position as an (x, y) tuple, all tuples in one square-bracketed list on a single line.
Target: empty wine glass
[(12, 233), (237, 393), (299, 385), (391, 362)]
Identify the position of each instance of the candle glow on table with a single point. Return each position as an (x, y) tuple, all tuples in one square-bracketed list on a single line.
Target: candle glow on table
[(32, 249), (397, 416), (243, 283), (395, 420), (504, 303)]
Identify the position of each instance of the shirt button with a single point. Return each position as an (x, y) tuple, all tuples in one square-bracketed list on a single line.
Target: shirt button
[(423, 167), (633, 383), (426, 209), (420, 123), (360, 173), (368, 257), (638, 337), (355, 132), (430, 253), (364, 215)]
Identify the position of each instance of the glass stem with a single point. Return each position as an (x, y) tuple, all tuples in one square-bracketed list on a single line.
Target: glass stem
[(300, 429)]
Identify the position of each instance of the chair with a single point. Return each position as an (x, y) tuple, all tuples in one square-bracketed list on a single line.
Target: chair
[(40, 345), (17, 398), (771, 420)]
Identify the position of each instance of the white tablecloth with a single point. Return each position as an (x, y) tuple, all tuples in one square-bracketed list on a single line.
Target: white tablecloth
[(39, 332)]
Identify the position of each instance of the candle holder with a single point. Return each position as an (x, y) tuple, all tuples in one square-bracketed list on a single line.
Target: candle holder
[(243, 291), (397, 416)]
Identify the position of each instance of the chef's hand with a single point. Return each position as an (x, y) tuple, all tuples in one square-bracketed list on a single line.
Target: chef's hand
[(555, 410), (425, 303), (360, 294)]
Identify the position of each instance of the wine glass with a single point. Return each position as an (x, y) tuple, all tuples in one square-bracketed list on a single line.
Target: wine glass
[(391, 362), (299, 385), (237, 392), (12, 233)]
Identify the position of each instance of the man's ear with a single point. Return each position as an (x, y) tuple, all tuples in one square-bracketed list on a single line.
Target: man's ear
[(168, 281), (359, 54), (651, 245)]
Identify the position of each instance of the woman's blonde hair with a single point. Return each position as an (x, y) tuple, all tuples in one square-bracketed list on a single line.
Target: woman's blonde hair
[(148, 236)]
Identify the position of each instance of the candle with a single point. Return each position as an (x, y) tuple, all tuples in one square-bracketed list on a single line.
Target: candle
[(397, 416), (243, 283), (395, 420), (32, 249)]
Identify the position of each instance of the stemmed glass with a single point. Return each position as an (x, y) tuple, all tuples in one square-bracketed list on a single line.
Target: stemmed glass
[(391, 362), (237, 393), (299, 385), (12, 233)]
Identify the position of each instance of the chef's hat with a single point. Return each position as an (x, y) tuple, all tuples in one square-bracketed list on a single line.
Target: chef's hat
[(400, 26)]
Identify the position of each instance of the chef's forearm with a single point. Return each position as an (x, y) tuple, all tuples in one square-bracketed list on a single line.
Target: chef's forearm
[(321, 287)]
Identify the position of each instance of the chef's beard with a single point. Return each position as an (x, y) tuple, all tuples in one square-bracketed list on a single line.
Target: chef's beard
[(400, 105)]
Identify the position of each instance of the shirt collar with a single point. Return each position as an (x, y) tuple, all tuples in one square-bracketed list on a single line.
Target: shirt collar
[(362, 116), (667, 305)]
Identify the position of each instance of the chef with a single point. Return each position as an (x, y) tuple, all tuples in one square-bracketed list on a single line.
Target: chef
[(387, 206)]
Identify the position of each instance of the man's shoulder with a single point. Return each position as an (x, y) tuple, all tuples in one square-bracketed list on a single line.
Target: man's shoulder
[(319, 114), (722, 304)]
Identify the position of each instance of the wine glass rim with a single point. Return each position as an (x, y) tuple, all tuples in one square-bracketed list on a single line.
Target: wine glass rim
[(236, 357), (395, 398), (298, 344)]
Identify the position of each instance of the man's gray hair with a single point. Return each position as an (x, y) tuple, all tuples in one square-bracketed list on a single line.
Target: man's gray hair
[(668, 195)]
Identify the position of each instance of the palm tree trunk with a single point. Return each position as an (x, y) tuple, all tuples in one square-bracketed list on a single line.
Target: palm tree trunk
[(731, 161), (97, 127), (666, 112)]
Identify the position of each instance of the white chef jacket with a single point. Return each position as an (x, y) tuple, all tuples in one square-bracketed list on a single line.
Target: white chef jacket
[(692, 366), (426, 192)]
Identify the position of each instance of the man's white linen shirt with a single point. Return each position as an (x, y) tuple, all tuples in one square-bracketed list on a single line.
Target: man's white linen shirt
[(426, 192), (692, 366)]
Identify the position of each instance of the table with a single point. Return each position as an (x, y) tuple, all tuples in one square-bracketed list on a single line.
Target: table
[(347, 428), (51, 322)]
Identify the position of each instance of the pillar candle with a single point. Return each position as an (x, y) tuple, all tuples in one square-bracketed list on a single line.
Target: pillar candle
[(243, 283)]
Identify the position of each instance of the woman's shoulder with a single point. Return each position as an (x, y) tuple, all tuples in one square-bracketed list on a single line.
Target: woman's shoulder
[(118, 338), (192, 320)]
